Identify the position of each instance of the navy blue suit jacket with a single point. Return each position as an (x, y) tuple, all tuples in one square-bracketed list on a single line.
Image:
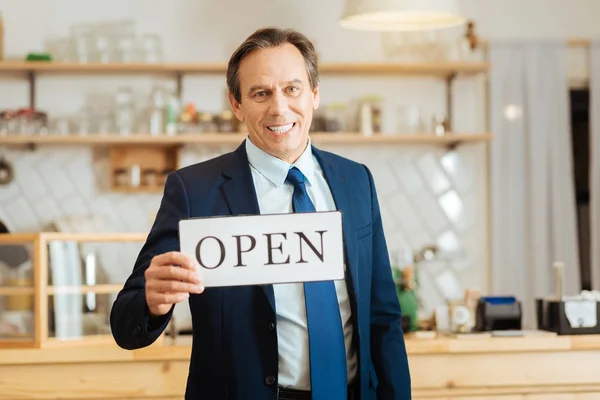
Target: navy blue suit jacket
[(234, 352)]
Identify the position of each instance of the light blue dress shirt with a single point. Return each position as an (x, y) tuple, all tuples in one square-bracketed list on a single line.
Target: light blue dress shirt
[(275, 197)]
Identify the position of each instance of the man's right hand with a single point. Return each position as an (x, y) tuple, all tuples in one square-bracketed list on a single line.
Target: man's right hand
[(170, 279)]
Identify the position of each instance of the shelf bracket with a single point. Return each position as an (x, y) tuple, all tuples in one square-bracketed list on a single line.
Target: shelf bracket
[(449, 103), (451, 146), (32, 88), (179, 83)]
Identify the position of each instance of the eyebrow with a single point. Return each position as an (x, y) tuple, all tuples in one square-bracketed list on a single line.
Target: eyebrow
[(260, 87)]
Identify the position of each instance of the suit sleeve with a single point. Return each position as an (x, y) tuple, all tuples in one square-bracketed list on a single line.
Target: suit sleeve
[(129, 318), (388, 349)]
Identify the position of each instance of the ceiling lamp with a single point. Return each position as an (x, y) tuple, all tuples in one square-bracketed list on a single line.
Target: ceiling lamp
[(401, 15)]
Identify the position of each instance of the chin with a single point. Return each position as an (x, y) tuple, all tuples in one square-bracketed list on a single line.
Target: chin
[(284, 144)]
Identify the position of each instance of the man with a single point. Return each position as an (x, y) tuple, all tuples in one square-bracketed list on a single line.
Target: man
[(319, 340)]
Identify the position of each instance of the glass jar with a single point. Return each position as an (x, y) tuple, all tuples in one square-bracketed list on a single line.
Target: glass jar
[(121, 178), (124, 111), (370, 115), (409, 117), (335, 118), (26, 121), (152, 49), (188, 119), (207, 123), (150, 178), (127, 50), (226, 121), (8, 123), (156, 119)]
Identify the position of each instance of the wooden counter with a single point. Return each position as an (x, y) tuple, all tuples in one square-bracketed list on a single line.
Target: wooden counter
[(532, 368)]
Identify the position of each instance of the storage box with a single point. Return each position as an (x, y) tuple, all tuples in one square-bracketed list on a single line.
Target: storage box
[(553, 315)]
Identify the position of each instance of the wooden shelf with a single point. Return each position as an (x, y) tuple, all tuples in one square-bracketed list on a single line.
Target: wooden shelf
[(97, 289), (425, 138), (98, 68), (118, 237), (16, 290), (80, 237), (83, 289), (89, 341), (139, 189), (233, 139), (442, 68)]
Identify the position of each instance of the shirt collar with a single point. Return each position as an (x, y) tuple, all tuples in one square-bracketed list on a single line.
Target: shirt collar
[(275, 169)]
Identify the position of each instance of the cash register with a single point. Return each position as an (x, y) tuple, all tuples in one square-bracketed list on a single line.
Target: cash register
[(495, 313)]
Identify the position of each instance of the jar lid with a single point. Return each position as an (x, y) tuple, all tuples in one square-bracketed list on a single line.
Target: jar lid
[(206, 117), (227, 114)]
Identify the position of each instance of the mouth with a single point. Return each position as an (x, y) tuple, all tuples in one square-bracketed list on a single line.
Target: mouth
[(281, 128)]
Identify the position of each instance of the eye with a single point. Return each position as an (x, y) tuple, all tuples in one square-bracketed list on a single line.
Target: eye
[(261, 93), (294, 90)]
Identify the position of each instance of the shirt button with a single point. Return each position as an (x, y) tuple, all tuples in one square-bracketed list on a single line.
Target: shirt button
[(269, 380), (271, 327)]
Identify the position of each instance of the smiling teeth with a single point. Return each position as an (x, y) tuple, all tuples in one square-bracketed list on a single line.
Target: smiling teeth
[(281, 128)]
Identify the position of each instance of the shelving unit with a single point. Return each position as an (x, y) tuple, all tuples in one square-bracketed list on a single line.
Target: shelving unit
[(130, 149), (447, 70), (122, 147), (41, 290)]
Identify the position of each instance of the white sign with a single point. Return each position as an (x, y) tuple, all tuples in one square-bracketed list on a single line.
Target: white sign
[(263, 249)]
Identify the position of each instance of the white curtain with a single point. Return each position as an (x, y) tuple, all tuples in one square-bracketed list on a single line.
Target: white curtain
[(595, 163), (532, 185)]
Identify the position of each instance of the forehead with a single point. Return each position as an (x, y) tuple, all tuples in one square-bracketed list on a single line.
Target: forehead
[(271, 65)]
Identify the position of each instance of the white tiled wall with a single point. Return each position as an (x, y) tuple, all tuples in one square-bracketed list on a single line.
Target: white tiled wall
[(428, 195)]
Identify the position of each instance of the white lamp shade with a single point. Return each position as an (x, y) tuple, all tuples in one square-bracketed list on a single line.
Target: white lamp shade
[(401, 15)]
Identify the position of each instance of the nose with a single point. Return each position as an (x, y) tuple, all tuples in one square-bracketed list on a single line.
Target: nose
[(279, 104)]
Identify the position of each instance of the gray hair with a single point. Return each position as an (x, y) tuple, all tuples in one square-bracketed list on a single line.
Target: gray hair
[(267, 38)]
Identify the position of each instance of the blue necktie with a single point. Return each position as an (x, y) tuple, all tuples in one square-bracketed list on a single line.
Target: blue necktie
[(325, 334)]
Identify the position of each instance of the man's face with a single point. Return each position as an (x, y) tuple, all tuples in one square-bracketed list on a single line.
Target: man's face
[(277, 101)]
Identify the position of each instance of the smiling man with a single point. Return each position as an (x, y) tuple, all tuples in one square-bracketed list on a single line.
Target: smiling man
[(274, 91), (318, 340)]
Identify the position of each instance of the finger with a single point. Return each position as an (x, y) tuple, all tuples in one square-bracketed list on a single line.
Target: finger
[(156, 298), (175, 258), (174, 273), (164, 286)]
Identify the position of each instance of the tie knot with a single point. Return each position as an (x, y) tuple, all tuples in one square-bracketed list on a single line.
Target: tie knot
[(295, 177)]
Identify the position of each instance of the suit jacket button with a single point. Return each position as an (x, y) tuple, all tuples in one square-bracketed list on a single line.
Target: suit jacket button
[(269, 380), (137, 331), (271, 326)]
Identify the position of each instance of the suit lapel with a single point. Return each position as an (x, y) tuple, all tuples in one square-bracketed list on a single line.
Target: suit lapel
[(238, 187), (342, 198), (240, 194)]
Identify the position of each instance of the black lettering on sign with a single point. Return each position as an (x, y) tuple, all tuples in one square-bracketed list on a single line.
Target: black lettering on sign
[(270, 248), (238, 240), (303, 238), (199, 253)]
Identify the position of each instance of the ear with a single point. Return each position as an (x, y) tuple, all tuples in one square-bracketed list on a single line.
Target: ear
[(236, 107), (316, 97)]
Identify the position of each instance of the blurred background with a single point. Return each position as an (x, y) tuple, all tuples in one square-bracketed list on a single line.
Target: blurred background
[(480, 136)]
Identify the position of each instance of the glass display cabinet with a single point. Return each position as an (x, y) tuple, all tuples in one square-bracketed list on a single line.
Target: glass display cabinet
[(57, 289)]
